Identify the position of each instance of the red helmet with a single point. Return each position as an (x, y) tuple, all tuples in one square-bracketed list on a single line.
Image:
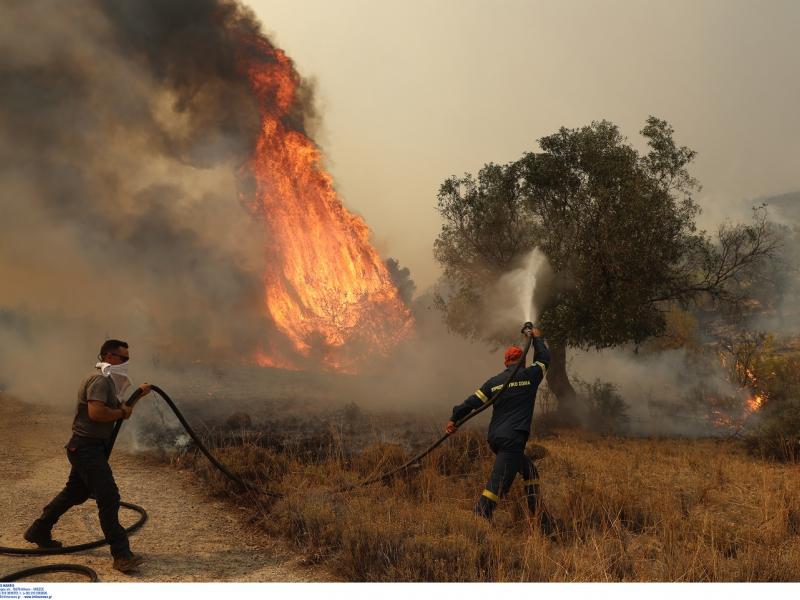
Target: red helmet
[(513, 354)]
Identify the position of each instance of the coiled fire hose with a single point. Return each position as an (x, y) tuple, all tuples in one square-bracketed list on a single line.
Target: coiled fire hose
[(88, 572)]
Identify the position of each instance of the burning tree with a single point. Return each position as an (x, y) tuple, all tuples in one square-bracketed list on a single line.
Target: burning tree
[(228, 237), (618, 229), (325, 284)]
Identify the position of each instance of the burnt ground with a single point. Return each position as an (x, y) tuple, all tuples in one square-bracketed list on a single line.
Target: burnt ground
[(189, 536)]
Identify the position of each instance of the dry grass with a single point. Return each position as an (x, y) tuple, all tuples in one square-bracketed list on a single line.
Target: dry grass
[(631, 510)]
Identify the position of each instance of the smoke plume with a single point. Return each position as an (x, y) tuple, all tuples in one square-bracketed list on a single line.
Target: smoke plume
[(123, 130)]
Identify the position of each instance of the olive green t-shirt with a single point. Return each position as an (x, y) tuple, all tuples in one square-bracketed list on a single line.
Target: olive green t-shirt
[(95, 387)]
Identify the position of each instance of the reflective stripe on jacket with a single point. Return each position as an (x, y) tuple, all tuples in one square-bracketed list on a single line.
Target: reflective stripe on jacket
[(514, 410)]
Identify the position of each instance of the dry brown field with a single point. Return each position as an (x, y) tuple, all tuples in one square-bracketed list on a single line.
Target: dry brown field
[(672, 510)]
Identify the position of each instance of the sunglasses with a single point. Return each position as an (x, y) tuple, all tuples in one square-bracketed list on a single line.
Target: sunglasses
[(120, 356)]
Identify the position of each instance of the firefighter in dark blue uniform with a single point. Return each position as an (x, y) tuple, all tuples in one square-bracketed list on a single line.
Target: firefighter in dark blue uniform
[(510, 426)]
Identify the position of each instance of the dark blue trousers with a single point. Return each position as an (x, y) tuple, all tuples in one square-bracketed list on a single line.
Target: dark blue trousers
[(510, 460), (90, 475)]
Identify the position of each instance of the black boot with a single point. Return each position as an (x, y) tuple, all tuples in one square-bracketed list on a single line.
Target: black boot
[(485, 505), (129, 563), (41, 536)]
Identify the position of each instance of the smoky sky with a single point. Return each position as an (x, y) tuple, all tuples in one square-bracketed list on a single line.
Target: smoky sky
[(123, 130), (415, 91)]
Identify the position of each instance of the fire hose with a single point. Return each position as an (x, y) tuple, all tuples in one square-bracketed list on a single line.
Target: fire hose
[(92, 575), (88, 572), (492, 400)]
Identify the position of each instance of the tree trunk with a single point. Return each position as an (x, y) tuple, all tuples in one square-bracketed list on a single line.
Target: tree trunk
[(558, 380)]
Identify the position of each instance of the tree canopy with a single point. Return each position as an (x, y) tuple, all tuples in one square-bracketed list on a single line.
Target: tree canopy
[(616, 225)]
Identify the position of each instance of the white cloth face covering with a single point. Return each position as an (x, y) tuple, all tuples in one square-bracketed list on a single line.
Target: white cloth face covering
[(118, 375)]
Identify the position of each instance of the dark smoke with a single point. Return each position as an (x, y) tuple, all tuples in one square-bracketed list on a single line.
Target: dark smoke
[(123, 129)]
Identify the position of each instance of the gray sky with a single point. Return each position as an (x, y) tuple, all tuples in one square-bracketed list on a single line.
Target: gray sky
[(411, 92)]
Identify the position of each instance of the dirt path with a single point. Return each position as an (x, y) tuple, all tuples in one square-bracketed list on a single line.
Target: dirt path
[(188, 536)]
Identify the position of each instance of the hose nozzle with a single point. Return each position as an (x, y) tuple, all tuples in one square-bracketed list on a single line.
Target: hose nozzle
[(527, 328)]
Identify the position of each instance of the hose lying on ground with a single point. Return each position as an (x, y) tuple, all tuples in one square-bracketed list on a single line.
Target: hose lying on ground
[(143, 514), (90, 574)]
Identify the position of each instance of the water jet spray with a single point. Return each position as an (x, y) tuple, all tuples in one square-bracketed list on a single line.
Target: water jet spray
[(520, 284)]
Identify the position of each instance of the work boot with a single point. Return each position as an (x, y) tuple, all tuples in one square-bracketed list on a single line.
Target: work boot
[(43, 539), (128, 564)]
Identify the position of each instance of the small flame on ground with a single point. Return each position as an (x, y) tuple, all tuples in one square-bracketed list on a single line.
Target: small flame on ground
[(753, 401)]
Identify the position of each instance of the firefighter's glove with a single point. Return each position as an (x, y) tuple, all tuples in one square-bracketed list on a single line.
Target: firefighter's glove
[(532, 332)]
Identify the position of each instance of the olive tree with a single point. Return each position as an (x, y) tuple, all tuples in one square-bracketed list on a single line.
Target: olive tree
[(618, 227)]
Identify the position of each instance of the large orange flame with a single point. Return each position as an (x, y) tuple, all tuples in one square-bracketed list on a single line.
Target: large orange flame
[(326, 288)]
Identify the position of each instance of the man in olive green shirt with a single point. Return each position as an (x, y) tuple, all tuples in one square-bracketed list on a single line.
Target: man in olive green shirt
[(99, 407)]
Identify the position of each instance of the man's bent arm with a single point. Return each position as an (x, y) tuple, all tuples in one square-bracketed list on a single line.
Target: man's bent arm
[(541, 358), (474, 402), (102, 413)]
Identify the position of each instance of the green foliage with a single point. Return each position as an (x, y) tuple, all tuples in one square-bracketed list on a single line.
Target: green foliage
[(616, 225), (486, 228)]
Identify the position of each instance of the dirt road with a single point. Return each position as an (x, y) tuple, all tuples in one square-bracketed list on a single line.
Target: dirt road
[(188, 536)]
